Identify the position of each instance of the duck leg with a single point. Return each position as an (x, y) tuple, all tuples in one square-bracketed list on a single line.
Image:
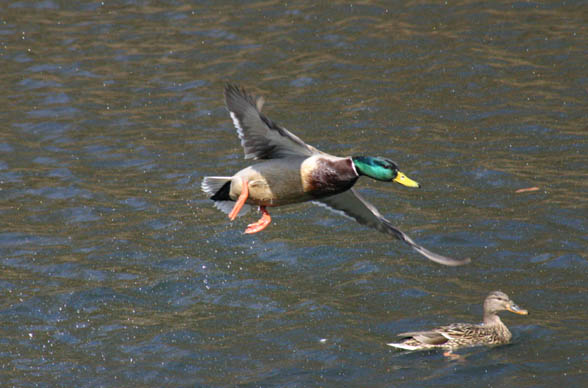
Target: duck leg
[(241, 200), (452, 356), (261, 224)]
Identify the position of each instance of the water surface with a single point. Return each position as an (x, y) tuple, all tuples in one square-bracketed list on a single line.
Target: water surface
[(117, 270)]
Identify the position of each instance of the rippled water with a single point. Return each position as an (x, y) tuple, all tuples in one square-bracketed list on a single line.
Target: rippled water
[(117, 271)]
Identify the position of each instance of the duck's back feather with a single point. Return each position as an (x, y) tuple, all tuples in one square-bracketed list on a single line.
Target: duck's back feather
[(455, 336)]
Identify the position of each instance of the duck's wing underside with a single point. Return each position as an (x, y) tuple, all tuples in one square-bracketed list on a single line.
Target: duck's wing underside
[(352, 204), (260, 137)]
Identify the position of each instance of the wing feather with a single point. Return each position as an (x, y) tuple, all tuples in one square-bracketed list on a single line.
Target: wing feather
[(261, 138), (355, 206), (426, 337)]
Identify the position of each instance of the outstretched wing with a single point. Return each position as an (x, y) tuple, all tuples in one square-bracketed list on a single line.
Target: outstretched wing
[(260, 137), (352, 204)]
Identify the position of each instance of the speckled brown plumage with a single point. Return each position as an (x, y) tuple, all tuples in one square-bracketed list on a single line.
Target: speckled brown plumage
[(457, 335)]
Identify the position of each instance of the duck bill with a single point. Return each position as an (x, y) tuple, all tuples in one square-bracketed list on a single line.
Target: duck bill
[(513, 308), (405, 181)]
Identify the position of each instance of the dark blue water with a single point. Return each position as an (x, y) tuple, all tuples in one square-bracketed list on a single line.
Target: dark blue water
[(116, 270)]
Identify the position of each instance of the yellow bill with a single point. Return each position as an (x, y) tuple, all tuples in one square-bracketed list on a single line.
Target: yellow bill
[(405, 181), (513, 308)]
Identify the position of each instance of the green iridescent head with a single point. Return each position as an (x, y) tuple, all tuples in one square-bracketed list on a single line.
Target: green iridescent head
[(381, 169)]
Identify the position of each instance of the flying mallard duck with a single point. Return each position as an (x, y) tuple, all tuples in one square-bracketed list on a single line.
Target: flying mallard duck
[(291, 171), (458, 335)]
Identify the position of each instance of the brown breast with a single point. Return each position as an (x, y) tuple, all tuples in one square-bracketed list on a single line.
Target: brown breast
[(330, 176)]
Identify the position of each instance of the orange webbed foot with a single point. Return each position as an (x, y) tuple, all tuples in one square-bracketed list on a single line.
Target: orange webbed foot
[(453, 357), (260, 225), (241, 200)]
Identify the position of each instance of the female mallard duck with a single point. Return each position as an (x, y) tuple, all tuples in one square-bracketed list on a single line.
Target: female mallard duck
[(292, 171), (458, 335)]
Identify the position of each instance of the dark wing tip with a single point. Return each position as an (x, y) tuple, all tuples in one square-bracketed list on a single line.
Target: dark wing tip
[(444, 260), (437, 258), (234, 89), (440, 259), (237, 98)]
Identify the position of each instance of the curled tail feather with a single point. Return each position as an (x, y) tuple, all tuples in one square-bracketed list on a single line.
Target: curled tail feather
[(211, 185), (218, 189)]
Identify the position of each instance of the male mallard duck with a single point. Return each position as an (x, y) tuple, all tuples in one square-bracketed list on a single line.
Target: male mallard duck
[(292, 171), (458, 335)]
